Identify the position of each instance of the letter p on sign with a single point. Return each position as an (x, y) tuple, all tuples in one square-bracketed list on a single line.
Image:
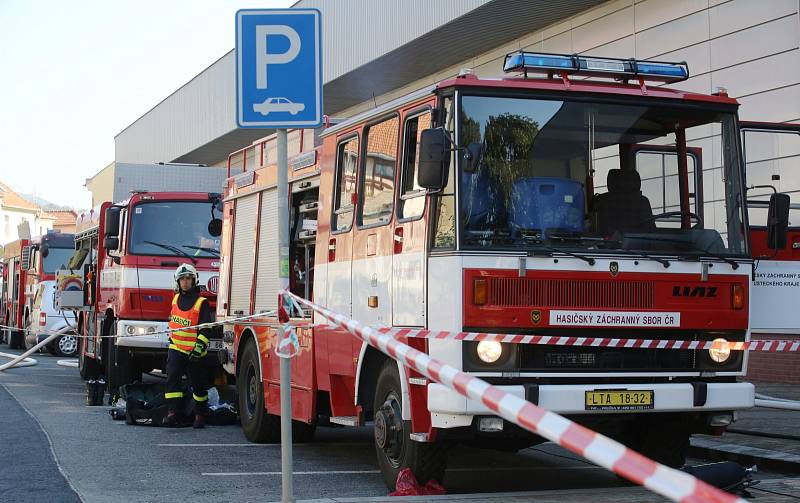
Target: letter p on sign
[(264, 58)]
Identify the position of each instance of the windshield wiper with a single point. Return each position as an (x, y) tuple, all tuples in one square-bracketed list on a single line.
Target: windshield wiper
[(588, 260), (203, 248), (699, 251), (590, 239), (173, 249)]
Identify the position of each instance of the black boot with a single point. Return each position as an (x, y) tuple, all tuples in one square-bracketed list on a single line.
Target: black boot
[(170, 420), (199, 421)]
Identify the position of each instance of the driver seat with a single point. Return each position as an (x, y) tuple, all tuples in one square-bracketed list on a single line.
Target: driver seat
[(623, 208)]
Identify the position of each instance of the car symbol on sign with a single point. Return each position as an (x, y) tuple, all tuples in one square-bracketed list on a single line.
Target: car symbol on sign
[(278, 105)]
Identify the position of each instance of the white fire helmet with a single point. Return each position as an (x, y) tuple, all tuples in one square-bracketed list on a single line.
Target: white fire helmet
[(184, 270)]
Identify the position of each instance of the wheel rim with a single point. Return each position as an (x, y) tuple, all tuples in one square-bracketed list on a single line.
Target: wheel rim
[(389, 429), (67, 344), (252, 390)]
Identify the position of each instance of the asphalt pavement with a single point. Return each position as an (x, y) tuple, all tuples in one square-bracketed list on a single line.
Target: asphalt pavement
[(106, 460)]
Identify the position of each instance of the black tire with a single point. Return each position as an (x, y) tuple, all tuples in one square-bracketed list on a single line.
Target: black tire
[(666, 442), (16, 340), (258, 426), (65, 346), (120, 367), (87, 367), (394, 449)]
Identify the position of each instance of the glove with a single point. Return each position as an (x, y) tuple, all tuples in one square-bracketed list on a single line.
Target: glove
[(200, 349)]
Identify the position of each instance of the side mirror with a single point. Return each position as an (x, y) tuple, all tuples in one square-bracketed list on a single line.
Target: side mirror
[(215, 227), (44, 249), (112, 222), (778, 221), (434, 159), (25, 258), (111, 242)]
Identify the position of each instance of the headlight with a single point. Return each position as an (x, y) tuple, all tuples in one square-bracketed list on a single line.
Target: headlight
[(720, 355), (134, 330), (489, 351)]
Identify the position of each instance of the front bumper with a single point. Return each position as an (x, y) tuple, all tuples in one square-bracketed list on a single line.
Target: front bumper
[(451, 410), (145, 340)]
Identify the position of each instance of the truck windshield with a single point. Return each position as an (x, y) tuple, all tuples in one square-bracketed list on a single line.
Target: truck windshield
[(57, 258), (599, 177), (172, 228)]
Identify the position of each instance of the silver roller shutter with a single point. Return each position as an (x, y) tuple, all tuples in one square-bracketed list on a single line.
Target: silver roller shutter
[(242, 263), (267, 282)]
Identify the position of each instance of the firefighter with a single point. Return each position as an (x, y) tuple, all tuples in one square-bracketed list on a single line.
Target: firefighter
[(188, 349)]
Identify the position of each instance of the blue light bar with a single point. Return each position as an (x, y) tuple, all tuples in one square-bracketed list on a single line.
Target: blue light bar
[(620, 69)]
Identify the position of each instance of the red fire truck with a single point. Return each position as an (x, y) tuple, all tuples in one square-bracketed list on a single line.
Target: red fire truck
[(14, 281), (30, 263), (550, 206), (127, 253)]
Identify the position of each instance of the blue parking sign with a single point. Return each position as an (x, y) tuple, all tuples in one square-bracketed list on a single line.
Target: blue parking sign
[(278, 68)]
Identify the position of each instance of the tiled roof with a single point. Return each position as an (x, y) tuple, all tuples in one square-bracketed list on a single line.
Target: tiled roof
[(62, 217), (10, 198)]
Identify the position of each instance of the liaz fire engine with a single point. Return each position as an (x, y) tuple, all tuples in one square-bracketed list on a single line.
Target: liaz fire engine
[(552, 205), (30, 268), (126, 254)]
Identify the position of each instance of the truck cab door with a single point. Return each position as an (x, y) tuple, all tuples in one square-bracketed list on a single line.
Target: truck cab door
[(338, 266), (410, 230), (772, 159)]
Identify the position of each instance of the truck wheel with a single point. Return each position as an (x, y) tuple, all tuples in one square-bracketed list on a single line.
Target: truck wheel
[(66, 345), (393, 447), (87, 367), (258, 426), (16, 340), (120, 367)]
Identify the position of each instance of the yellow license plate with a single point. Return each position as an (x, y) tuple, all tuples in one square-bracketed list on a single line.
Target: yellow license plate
[(619, 400)]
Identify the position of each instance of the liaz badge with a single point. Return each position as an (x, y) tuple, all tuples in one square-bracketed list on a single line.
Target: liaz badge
[(536, 316), (613, 268)]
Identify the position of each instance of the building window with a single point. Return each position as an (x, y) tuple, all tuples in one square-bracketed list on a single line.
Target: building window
[(377, 180)]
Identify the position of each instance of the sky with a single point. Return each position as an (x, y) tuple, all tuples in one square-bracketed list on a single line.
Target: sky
[(74, 74)]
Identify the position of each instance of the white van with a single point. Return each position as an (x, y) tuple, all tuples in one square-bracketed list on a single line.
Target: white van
[(46, 319)]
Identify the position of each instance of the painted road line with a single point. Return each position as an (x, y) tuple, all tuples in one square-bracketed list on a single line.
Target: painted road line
[(356, 472), (310, 444), (330, 472)]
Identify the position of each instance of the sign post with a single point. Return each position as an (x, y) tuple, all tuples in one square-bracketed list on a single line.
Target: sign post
[(279, 86)]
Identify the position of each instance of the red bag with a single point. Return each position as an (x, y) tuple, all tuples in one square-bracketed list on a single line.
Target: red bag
[(407, 485)]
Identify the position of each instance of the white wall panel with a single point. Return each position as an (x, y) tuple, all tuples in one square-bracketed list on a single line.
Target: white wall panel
[(652, 13), (756, 42), (740, 14), (671, 36)]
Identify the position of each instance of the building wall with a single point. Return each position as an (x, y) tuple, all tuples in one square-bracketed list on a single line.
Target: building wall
[(101, 185), (10, 218), (750, 47)]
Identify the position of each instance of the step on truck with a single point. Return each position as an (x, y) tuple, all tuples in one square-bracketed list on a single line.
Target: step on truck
[(577, 197), (125, 256)]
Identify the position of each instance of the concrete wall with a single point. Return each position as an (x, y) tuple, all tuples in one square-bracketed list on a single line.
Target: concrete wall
[(750, 47)]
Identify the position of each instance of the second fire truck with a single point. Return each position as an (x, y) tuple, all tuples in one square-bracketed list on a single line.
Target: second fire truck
[(522, 205), (127, 253)]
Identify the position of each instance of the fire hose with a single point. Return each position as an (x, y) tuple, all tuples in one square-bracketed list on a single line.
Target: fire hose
[(23, 360)]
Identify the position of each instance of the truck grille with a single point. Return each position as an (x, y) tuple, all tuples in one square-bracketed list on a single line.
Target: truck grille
[(570, 359), (524, 292)]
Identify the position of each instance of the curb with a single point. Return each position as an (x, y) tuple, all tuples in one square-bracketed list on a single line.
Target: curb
[(720, 451)]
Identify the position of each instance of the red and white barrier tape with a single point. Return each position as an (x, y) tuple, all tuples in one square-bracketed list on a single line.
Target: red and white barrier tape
[(673, 484), (771, 345)]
